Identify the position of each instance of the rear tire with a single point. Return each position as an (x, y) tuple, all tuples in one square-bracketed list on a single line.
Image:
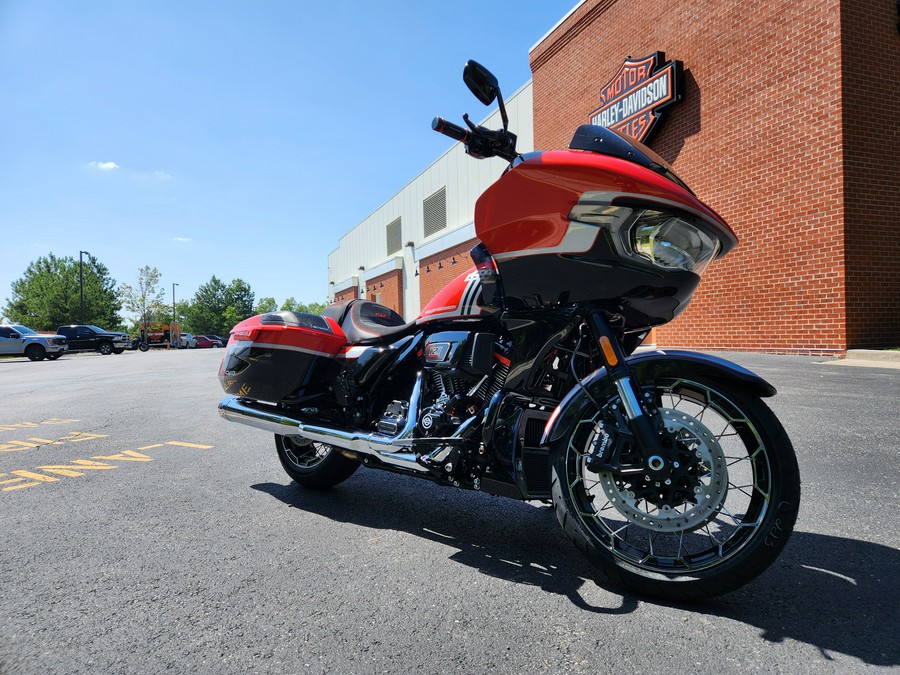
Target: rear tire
[(144, 347), (105, 348), (314, 465), (35, 352), (724, 519)]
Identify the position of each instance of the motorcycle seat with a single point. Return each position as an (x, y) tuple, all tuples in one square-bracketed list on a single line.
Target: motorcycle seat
[(365, 322)]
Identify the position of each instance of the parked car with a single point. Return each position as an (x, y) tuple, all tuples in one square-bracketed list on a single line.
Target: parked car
[(204, 342), (17, 340), (188, 341), (222, 341), (91, 338)]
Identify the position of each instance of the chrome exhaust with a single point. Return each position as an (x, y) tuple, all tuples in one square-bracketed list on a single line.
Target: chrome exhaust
[(364, 443)]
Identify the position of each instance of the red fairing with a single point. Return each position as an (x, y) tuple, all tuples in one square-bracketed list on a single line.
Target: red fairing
[(528, 207), (457, 299)]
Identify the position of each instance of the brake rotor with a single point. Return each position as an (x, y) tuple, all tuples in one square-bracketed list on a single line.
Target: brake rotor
[(709, 481)]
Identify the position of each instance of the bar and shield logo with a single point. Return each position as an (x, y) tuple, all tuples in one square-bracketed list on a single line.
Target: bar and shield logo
[(631, 101)]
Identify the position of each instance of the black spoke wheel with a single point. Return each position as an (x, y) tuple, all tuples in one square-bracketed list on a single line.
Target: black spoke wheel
[(716, 521), (313, 465)]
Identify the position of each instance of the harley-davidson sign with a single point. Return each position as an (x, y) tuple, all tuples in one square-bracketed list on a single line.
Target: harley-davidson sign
[(630, 102)]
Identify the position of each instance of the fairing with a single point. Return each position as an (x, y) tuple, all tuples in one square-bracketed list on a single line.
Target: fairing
[(544, 258)]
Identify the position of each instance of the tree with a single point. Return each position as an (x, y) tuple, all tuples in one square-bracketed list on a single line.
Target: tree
[(207, 308), (239, 297), (308, 308), (266, 305), (146, 299), (216, 308), (49, 294)]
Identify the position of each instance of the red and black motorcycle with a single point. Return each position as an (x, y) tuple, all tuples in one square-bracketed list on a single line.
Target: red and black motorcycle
[(520, 378)]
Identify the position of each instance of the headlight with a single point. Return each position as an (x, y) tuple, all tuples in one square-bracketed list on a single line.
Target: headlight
[(669, 242)]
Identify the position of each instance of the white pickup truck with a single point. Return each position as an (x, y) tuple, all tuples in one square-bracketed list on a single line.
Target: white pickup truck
[(18, 340)]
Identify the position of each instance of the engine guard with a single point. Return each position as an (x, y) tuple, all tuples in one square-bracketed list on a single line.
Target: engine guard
[(646, 366)]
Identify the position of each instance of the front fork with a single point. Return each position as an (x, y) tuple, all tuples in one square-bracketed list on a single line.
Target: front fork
[(643, 422)]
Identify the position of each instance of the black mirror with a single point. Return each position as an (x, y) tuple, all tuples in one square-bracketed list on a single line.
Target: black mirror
[(481, 82), (14, 335)]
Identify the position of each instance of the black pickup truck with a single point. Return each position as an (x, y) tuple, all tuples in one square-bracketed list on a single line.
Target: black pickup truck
[(83, 338)]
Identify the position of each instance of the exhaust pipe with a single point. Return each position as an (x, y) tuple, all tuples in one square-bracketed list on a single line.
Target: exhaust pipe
[(376, 445)]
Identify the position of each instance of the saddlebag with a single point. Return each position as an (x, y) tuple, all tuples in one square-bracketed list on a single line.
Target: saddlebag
[(281, 355)]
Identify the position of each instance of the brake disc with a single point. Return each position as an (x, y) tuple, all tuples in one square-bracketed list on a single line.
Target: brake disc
[(709, 485)]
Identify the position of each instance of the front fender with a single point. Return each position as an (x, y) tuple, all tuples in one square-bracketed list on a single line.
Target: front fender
[(647, 366)]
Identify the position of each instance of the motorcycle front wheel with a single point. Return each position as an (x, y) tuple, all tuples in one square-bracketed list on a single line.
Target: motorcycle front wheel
[(722, 518), (314, 465)]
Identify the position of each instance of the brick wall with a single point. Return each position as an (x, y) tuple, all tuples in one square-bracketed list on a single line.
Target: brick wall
[(438, 270), (871, 97), (758, 136), (387, 289), (346, 294)]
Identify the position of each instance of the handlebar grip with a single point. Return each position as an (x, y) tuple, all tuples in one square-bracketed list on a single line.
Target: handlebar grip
[(455, 132)]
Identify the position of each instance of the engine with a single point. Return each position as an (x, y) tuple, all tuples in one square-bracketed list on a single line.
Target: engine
[(463, 371)]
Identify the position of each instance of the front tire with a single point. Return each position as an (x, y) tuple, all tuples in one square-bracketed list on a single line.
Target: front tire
[(314, 465), (723, 519), (35, 352)]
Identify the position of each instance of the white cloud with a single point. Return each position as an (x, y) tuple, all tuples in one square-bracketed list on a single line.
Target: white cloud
[(104, 166), (183, 239), (162, 175)]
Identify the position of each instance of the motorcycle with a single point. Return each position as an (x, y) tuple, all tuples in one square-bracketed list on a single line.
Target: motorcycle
[(521, 378)]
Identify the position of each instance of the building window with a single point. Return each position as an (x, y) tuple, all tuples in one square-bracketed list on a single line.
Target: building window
[(394, 237), (434, 210)]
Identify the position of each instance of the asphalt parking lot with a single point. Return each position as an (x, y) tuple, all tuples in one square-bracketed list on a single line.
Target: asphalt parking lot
[(142, 533)]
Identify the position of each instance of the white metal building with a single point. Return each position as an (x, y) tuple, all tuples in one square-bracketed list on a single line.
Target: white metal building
[(432, 213)]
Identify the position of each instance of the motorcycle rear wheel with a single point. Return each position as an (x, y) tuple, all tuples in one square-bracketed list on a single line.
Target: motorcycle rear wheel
[(314, 465), (743, 485)]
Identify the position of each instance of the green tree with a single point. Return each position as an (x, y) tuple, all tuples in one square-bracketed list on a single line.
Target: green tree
[(266, 305), (216, 308), (240, 298), (312, 307), (146, 299), (308, 308), (49, 294), (207, 308)]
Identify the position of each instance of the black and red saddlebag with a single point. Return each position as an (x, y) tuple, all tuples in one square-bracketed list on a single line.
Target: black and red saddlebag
[(281, 355)]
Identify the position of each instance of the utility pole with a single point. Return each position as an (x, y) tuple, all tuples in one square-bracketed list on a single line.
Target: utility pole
[(81, 280), (172, 327)]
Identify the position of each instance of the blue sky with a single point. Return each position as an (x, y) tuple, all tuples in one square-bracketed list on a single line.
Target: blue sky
[(236, 139)]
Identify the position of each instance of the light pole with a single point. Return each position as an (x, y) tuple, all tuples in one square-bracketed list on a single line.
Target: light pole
[(81, 280), (172, 328)]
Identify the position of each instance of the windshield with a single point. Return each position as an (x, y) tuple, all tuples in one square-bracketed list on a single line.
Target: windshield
[(610, 142), (95, 329), (24, 330)]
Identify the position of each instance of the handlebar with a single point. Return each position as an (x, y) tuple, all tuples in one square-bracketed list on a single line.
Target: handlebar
[(454, 131), (479, 141)]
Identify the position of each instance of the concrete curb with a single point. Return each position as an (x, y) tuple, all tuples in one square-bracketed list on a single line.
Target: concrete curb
[(873, 355)]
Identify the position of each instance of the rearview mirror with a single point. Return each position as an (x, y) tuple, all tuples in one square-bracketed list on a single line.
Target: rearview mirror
[(481, 82)]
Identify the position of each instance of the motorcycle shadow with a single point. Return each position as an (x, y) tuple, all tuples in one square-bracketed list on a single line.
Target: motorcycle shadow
[(499, 537), (839, 595)]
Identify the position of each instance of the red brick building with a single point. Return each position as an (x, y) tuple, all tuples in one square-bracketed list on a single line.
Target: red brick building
[(789, 126)]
